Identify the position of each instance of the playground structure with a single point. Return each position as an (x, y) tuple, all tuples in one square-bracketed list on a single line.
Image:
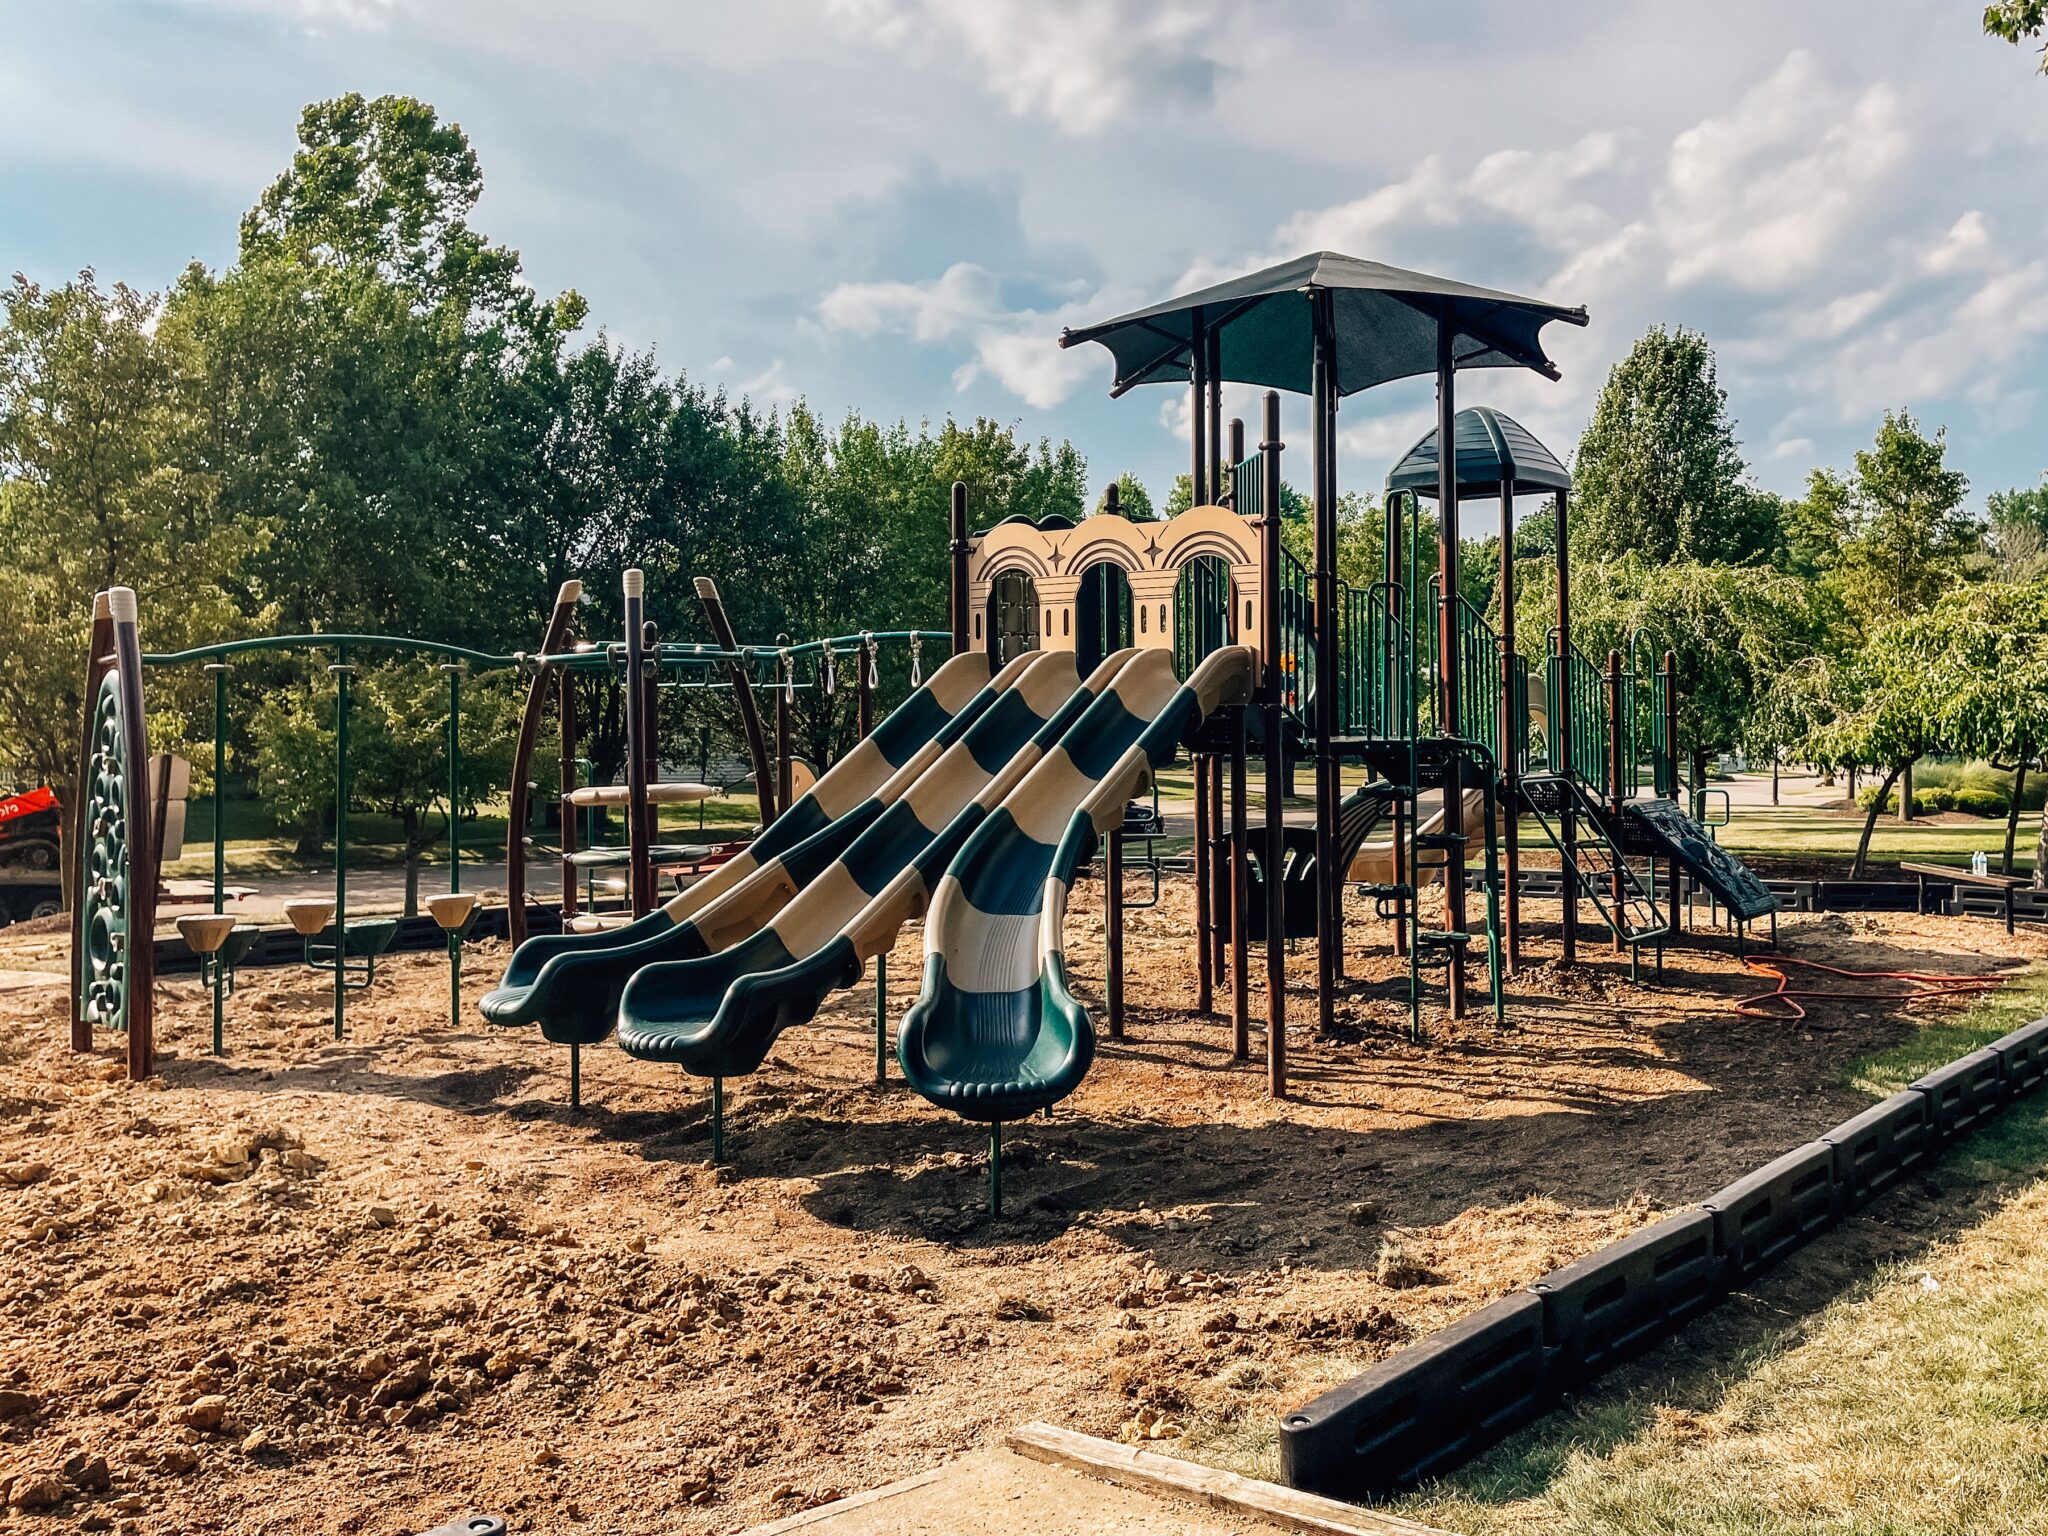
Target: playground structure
[(124, 817), (1083, 658)]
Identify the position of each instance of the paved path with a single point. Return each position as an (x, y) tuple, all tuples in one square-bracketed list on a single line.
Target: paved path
[(1052, 1482)]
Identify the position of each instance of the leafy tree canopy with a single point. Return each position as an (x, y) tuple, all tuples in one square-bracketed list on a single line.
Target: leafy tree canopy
[(2017, 21), (1657, 472)]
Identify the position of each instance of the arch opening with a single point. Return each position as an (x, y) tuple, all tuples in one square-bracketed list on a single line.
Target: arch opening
[(1012, 617), (1201, 611), (1103, 615)]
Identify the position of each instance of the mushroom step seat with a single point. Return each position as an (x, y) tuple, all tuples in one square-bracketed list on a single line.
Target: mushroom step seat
[(569, 983), (995, 1034), (718, 1016)]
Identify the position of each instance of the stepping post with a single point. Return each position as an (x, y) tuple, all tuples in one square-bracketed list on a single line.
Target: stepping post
[(881, 1020), (995, 1167), (718, 1120), (575, 1076)]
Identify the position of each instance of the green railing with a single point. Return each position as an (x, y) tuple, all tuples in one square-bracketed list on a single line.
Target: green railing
[(1201, 612), (1248, 487), (1376, 667), (1577, 742), (1479, 689), (1646, 698), (1515, 753), (1297, 636)]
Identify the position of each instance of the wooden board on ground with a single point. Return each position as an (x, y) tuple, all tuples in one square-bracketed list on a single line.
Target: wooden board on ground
[(1053, 1482)]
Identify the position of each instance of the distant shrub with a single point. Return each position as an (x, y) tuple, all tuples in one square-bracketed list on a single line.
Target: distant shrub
[(1937, 773), (1933, 800), (1982, 802), (1867, 797), (1981, 776)]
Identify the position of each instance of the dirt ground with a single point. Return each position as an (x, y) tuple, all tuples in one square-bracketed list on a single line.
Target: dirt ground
[(364, 1286)]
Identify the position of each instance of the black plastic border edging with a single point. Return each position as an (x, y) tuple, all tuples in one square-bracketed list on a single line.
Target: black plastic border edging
[(1421, 1412)]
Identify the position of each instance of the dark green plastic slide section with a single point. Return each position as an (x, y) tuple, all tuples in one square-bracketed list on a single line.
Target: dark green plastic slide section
[(1684, 840), (718, 1015), (996, 1034), (569, 983)]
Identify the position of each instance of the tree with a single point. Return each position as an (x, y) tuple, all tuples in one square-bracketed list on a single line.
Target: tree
[(97, 489), (378, 385), (1996, 703), (385, 185), (1813, 529), (398, 754), (1132, 499), (1888, 709), (1657, 472), (1005, 479), (2018, 531), (1728, 628), (1906, 536), (2017, 21)]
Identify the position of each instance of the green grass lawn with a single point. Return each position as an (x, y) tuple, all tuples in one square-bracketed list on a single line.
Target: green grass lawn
[(1912, 1406), (1810, 832)]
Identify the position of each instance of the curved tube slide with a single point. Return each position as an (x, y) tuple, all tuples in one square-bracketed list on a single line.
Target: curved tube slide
[(570, 983), (718, 1016), (996, 1034)]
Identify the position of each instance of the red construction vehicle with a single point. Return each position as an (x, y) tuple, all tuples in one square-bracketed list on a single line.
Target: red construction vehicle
[(29, 850)]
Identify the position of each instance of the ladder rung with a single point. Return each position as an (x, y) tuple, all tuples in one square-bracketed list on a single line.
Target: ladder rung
[(1441, 938)]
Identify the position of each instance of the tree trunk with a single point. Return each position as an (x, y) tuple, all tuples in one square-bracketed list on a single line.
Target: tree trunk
[(1858, 869), (2041, 853), (1699, 780), (409, 818), (2012, 812), (1905, 796)]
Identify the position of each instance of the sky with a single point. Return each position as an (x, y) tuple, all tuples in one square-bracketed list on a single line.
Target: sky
[(893, 206)]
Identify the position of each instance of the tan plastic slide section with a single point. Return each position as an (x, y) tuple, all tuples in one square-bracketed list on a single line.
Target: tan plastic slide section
[(1374, 862), (937, 782)]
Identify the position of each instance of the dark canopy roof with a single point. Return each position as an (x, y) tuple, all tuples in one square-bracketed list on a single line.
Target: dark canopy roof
[(1491, 448), (1386, 326)]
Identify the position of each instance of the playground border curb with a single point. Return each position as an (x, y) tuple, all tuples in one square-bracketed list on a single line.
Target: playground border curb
[(1425, 1409)]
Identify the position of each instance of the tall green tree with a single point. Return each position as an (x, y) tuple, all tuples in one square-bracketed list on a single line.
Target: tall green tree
[(1906, 537), (375, 383), (1730, 630), (1657, 472), (99, 487), (1132, 499), (1888, 698), (1996, 703), (2018, 532)]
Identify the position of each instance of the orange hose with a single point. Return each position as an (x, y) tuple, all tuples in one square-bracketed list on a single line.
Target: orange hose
[(1922, 986)]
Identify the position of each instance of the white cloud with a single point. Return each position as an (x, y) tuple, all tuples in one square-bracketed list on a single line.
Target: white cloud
[(1967, 244), (934, 309), (1802, 195), (1023, 356), (1018, 348), (1764, 194), (771, 386), (358, 15), (1082, 63), (1545, 190)]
